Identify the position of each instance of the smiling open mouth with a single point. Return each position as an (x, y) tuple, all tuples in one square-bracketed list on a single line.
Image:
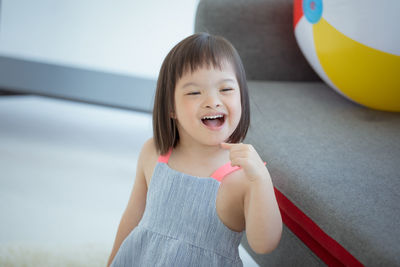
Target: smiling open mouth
[(213, 121)]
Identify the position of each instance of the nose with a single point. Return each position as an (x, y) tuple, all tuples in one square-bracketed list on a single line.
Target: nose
[(212, 101), (217, 105)]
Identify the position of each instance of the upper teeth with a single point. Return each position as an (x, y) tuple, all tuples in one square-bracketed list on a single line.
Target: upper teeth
[(212, 117)]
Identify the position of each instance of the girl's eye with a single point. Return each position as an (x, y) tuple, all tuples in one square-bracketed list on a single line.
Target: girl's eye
[(193, 93), (226, 89)]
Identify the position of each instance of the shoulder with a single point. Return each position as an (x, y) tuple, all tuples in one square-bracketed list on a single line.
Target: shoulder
[(231, 200), (148, 150), (148, 158), (236, 184)]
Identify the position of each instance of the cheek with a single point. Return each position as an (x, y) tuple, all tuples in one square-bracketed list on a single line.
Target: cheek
[(184, 109)]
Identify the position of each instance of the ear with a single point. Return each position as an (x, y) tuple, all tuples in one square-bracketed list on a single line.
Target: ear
[(172, 115)]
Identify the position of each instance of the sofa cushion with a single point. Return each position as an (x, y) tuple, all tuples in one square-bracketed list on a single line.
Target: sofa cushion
[(262, 32), (336, 161)]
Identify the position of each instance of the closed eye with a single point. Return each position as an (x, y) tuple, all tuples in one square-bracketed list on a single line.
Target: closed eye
[(193, 93), (226, 89)]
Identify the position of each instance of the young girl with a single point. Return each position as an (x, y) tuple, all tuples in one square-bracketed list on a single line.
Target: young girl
[(197, 188)]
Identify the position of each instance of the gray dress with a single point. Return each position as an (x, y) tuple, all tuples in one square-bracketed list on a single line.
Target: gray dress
[(180, 225)]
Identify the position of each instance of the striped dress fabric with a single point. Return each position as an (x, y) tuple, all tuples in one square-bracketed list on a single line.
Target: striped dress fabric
[(180, 225)]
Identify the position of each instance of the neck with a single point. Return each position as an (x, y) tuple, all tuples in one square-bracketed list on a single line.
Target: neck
[(199, 151)]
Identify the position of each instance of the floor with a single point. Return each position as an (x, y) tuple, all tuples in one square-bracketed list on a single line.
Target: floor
[(66, 172)]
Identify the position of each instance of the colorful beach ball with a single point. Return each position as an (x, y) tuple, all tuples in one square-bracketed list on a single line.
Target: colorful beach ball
[(354, 46)]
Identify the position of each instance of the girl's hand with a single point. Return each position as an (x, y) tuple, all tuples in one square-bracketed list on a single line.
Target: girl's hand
[(245, 156)]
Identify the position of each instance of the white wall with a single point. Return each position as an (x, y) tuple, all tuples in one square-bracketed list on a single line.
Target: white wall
[(123, 36)]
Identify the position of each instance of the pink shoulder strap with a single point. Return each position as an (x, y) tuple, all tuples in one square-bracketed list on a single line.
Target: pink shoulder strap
[(223, 171), (164, 158)]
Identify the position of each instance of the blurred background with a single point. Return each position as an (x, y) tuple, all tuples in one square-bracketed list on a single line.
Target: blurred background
[(77, 81)]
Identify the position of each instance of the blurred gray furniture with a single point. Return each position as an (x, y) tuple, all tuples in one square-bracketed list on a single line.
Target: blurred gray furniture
[(23, 76), (338, 162)]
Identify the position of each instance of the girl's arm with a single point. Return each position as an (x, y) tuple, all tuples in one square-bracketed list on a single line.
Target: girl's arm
[(261, 211), (263, 219), (136, 205)]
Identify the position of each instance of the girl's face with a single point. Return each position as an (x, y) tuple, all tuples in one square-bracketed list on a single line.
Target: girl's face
[(207, 105)]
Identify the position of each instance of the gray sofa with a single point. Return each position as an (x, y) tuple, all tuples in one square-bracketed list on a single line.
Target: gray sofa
[(336, 161)]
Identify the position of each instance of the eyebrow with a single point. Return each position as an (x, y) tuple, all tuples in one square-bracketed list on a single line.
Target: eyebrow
[(195, 84)]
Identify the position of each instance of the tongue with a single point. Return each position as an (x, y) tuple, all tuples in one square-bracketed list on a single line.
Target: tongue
[(213, 123)]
